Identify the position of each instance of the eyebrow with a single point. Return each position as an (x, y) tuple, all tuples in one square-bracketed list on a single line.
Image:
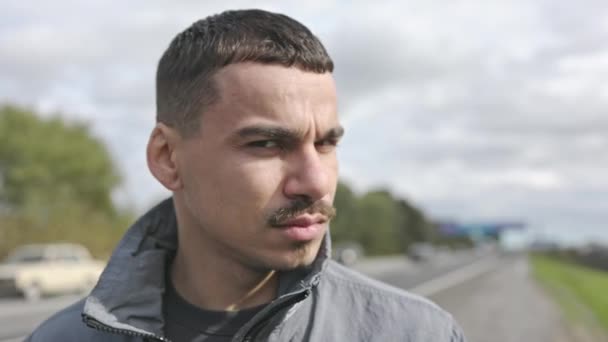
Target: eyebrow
[(274, 132), (334, 133), (281, 133)]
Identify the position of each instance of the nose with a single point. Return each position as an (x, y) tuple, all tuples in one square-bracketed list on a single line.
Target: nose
[(309, 175)]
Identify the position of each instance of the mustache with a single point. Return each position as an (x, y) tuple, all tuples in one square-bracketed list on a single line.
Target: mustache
[(299, 207)]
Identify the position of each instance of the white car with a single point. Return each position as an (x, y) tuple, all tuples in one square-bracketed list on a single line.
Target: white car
[(421, 252), (43, 269)]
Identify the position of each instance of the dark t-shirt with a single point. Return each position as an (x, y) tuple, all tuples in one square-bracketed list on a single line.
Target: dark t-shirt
[(186, 322)]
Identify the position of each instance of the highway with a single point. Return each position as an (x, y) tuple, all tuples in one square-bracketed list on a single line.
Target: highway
[(492, 296), (489, 294), (18, 317)]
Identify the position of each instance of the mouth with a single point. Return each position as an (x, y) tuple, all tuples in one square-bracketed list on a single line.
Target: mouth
[(303, 221), (303, 228)]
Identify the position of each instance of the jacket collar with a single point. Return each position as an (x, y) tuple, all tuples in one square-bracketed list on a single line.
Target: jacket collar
[(128, 296)]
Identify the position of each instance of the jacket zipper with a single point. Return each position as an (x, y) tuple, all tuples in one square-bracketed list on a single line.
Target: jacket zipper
[(255, 330), (249, 336), (95, 324)]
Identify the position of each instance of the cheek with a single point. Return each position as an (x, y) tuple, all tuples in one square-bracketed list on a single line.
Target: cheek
[(332, 172), (334, 167), (250, 184)]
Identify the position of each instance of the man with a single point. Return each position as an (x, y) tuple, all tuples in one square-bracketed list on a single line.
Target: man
[(246, 137)]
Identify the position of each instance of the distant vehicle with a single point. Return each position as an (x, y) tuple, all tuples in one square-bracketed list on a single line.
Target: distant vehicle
[(421, 251), (44, 269), (347, 253)]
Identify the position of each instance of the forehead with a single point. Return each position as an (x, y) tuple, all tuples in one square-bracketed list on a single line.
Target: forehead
[(252, 93)]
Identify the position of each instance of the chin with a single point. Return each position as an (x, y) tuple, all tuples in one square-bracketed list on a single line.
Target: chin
[(290, 266), (287, 260), (304, 256)]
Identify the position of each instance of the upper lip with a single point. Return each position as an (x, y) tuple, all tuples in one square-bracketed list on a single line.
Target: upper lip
[(303, 221)]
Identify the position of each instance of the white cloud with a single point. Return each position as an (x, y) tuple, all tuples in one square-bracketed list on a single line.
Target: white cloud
[(474, 109)]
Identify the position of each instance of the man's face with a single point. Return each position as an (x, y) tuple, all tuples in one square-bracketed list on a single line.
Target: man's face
[(267, 145)]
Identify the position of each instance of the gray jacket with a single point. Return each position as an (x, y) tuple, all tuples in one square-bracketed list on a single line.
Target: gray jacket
[(326, 302)]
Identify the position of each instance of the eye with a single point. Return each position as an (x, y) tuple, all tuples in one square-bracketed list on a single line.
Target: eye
[(326, 145), (264, 144)]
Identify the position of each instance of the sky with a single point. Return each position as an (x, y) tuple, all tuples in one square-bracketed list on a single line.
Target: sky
[(473, 110)]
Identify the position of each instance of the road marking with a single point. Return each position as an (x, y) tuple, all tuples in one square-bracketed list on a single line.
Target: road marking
[(455, 277), (377, 266), (15, 339), (15, 308)]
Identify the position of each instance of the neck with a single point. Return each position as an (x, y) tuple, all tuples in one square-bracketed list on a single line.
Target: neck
[(219, 284), (207, 276)]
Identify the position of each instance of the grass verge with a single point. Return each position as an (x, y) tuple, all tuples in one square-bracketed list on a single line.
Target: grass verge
[(580, 291)]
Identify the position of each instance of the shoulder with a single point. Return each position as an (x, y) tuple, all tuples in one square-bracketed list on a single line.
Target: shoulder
[(388, 305), (360, 284), (66, 325)]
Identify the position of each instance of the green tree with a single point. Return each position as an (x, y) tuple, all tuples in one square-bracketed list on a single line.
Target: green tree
[(380, 222), (56, 181), (376, 223), (50, 160), (413, 224), (345, 202)]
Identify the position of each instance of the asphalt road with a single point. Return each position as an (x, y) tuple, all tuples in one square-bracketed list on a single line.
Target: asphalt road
[(490, 295), (507, 305), (430, 276), (504, 305), (18, 317)]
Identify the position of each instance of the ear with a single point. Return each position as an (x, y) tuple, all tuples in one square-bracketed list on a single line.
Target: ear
[(161, 156)]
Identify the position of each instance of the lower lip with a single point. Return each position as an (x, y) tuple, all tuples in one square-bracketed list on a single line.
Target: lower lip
[(308, 233)]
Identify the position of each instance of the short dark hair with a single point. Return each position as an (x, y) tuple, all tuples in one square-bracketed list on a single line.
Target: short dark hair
[(184, 78)]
